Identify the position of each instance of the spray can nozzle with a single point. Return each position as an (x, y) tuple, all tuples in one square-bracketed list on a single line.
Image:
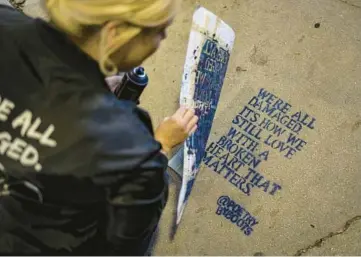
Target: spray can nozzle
[(139, 71), (132, 85)]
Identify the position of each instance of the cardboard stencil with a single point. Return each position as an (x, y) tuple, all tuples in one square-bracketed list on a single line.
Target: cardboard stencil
[(210, 44)]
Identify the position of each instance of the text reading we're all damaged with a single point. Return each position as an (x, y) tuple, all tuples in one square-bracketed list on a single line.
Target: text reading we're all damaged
[(19, 135)]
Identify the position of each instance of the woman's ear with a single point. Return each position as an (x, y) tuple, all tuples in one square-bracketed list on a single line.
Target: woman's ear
[(110, 30)]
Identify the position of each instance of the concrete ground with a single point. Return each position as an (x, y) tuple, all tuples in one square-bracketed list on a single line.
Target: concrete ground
[(307, 53)]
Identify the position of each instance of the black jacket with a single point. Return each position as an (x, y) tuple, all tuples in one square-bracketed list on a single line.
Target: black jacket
[(82, 173)]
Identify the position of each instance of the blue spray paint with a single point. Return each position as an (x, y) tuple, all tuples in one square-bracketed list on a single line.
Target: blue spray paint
[(210, 75), (236, 214)]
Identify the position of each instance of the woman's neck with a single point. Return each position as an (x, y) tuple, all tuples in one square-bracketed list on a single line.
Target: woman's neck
[(90, 45)]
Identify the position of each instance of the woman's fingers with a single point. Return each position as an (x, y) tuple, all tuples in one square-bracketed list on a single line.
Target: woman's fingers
[(193, 130), (180, 112), (113, 82), (192, 123), (188, 116)]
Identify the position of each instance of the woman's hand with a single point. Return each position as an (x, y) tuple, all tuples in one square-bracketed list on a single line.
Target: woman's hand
[(176, 129), (114, 81)]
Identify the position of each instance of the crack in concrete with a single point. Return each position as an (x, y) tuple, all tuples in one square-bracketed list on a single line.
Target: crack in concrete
[(350, 4), (319, 242)]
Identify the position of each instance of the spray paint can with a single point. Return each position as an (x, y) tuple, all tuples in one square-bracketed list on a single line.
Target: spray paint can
[(132, 85)]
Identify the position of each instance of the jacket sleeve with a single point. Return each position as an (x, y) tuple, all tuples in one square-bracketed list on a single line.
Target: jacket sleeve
[(131, 169)]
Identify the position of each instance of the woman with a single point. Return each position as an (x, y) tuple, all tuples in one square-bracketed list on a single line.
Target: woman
[(83, 171)]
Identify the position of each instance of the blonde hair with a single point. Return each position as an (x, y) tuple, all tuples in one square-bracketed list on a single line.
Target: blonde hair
[(76, 16)]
